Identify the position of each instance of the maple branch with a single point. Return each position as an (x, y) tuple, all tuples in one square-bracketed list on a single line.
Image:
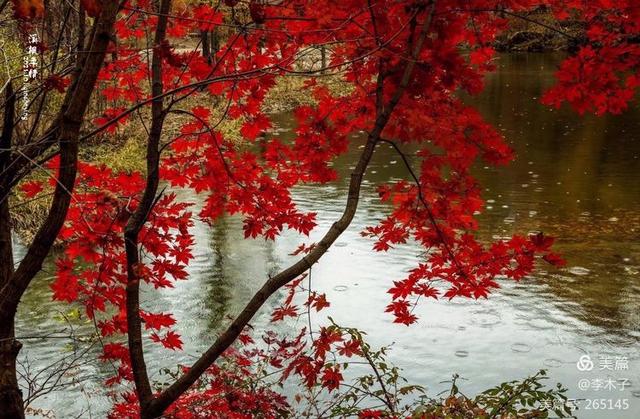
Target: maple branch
[(139, 217), (6, 250), (427, 207), (22, 164), (248, 74), (249, 26), (380, 78), (66, 134), (21, 168), (210, 130), (162, 401), (55, 376), (45, 142)]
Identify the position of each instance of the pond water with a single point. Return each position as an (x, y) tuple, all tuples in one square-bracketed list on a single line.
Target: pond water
[(574, 178)]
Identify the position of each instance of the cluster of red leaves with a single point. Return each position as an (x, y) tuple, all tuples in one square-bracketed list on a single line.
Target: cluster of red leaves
[(602, 77), (371, 44), (92, 269), (314, 359), (27, 10), (226, 391), (230, 389), (55, 82), (91, 7), (287, 308)]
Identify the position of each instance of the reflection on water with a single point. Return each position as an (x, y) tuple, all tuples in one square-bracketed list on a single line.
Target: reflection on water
[(574, 178)]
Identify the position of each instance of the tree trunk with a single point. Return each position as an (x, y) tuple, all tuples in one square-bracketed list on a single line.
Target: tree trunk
[(65, 132), (206, 47), (323, 59), (138, 219), (11, 405), (215, 43)]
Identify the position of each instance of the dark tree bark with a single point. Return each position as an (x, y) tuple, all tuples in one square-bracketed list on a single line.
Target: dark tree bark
[(206, 47), (65, 132), (11, 404), (323, 58), (139, 217), (215, 42), (81, 36), (10, 394)]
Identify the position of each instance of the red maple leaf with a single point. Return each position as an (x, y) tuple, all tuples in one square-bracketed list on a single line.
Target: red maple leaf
[(171, 340), (31, 188)]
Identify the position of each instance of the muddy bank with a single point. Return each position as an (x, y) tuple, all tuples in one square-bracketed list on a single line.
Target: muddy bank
[(540, 31)]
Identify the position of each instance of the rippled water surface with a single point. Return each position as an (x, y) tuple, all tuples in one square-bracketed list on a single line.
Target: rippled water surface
[(574, 178)]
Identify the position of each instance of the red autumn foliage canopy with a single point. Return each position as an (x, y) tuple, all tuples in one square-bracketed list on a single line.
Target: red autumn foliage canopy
[(405, 60)]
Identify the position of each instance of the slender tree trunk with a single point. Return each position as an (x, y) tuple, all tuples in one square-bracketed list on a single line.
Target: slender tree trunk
[(65, 131), (323, 58), (206, 47), (80, 41), (11, 405), (215, 43), (47, 26), (139, 217)]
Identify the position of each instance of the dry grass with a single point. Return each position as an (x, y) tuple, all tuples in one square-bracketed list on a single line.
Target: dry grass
[(289, 92)]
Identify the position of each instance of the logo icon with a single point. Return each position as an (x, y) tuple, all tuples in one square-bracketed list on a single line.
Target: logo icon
[(585, 363)]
